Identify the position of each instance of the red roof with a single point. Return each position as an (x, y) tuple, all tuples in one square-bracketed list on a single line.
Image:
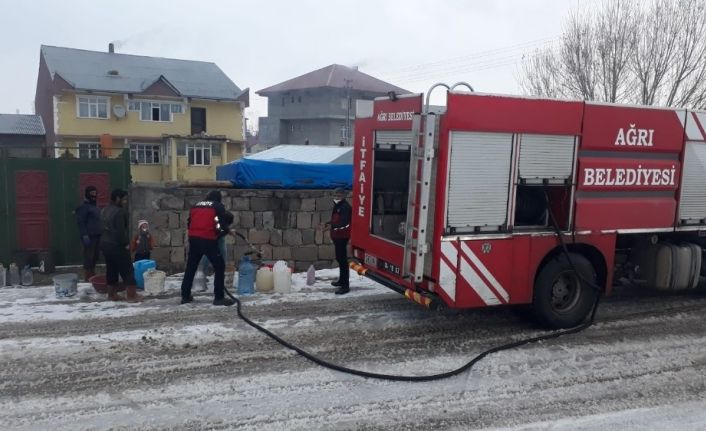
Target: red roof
[(334, 76)]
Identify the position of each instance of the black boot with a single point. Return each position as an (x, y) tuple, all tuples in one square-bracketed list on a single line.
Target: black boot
[(336, 283), (342, 290), (187, 300), (223, 301)]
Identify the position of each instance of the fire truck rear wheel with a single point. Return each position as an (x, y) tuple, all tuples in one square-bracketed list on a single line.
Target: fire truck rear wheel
[(562, 298)]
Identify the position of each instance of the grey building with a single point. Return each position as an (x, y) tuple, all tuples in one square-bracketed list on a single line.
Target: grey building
[(317, 108), (21, 135)]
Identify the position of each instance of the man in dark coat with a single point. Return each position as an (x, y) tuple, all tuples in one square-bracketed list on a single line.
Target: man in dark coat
[(115, 244), (88, 218), (208, 221), (340, 230)]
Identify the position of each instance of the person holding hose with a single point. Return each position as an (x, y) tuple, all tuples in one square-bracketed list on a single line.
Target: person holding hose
[(207, 222)]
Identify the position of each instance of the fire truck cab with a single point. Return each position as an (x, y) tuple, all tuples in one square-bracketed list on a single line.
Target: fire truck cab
[(498, 200)]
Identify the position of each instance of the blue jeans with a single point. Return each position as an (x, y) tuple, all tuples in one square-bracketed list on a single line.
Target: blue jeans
[(204, 264)]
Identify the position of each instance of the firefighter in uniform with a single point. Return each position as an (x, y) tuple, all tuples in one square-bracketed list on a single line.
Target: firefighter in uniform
[(340, 231), (208, 221)]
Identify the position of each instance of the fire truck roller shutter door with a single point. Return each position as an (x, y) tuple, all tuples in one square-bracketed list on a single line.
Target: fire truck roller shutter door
[(479, 180), (562, 299), (546, 157), (692, 206)]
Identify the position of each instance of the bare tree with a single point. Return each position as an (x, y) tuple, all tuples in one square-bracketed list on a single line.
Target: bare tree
[(577, 70), (615, 35), (627, 51), (544, 81), (654, 51), (686, 83)]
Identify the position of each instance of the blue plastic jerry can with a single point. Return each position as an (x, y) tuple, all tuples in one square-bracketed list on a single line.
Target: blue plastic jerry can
[(246, 276), (141, 266)]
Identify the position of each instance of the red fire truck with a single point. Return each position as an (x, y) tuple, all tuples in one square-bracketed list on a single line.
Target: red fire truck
[(470, 205)]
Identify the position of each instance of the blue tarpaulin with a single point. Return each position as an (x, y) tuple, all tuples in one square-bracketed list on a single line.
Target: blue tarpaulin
[(284, 174)]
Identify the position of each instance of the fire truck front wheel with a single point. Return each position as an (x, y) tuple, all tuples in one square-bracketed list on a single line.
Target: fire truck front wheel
[(563, 298)]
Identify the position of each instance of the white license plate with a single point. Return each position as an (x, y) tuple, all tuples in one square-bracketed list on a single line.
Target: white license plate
[(371, 260)]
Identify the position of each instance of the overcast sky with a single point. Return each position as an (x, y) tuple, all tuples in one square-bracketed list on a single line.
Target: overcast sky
[(412, 44)]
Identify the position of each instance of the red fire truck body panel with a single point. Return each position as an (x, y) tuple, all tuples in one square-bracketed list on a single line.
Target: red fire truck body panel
[(634, 213), (511, 114), (632, 129), (621, 171)]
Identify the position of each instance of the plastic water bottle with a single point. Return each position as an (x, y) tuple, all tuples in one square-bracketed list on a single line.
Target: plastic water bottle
[(27, 276), (14, 275), (200, 283), (282, 276), (311, 275), (246, 276), (3, 275)]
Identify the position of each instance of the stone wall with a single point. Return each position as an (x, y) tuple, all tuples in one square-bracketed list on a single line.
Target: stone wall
[(281, 224)]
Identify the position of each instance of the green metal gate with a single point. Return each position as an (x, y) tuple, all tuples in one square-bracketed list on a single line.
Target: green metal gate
[(65, 191)]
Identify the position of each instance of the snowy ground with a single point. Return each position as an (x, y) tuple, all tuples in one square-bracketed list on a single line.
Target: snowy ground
[(86, 363)]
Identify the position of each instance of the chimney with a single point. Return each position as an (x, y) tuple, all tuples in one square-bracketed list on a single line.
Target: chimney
[(111, 48)]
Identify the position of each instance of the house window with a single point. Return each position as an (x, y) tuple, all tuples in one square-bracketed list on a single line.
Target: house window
[(92, 106), (344, 132), (145, 154), (156, 111), (199, 154), (299, 99), (151, 111), (89, 150)]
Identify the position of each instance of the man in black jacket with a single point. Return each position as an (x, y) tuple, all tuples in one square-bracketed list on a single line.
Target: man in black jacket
[(88, 218), (115, 244), (340, 230)]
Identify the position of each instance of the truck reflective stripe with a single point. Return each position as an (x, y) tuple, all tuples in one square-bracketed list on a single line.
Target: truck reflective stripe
[(477, 284), (447, 269), (485, 272)]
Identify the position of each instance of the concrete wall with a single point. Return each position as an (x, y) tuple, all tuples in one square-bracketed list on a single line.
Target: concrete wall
[(282, 224)]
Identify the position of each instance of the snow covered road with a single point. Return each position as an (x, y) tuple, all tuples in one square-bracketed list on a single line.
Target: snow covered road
[(82, 363)]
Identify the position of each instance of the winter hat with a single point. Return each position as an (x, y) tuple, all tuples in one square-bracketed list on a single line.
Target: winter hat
[(214, 196), (88, 190), (141, 222)]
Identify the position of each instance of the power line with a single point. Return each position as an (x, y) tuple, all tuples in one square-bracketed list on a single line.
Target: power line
[(473, 57)]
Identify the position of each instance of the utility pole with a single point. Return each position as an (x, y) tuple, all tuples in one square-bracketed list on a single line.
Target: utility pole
[(349, 85)]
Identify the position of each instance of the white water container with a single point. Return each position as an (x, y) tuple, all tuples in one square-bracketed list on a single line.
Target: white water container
[(264, 280), (13, 275), (154, 281), (200, 283), (27, 277), (282, 277)]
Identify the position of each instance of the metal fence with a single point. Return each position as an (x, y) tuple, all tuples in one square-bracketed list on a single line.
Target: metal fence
[(38, 197)]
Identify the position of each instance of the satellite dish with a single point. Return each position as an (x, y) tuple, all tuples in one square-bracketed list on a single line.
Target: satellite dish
[(119, 111)]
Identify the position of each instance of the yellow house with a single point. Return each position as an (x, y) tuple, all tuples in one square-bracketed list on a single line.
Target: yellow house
[(179, 119)]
